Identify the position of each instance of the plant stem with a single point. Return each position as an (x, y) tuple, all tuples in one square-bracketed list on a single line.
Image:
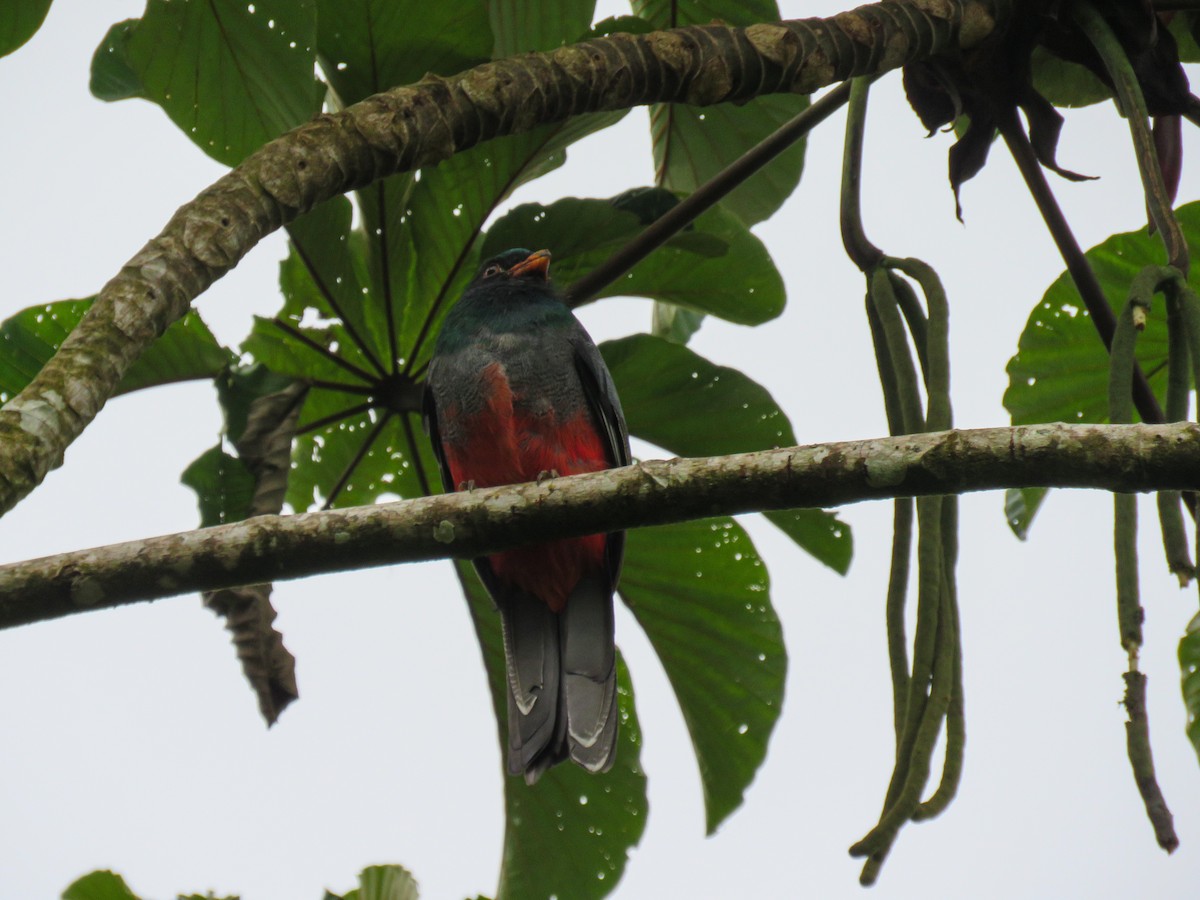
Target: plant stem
[(685, 212)]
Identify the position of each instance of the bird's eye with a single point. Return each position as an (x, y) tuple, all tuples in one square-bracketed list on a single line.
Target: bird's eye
[(492, 270)]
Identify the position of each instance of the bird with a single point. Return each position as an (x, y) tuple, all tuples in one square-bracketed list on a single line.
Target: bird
[(516, 391)]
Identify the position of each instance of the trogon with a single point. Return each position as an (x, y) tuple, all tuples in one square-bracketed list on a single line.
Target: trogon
[(517, 392)]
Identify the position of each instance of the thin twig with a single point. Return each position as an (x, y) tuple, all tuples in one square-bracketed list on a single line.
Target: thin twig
[(685, 212), (1102, 316)]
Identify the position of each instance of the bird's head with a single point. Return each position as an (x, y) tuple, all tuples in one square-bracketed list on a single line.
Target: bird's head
[(518, 263)]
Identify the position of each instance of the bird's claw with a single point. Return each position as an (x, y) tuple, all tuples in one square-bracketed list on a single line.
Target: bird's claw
[(546, 475), (468, 485)]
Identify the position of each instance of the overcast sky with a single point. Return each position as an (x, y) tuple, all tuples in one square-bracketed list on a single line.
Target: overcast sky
[(130, 740)]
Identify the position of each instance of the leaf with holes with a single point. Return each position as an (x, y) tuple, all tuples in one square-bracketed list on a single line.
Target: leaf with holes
[(677, 399), (186, 351), (692, 143), (591, 821), (231, 75), (224, 487), (369, 46), (702, 595), (1060, 370)]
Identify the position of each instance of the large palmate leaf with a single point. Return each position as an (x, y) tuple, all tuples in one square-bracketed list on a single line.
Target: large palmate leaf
[(677, 399), (1060, 370), (19, 21), (368, 46), (186, 351), (232, 75), (370, 455), (692, 143), (719, 267), (570, 834), (703, 597)]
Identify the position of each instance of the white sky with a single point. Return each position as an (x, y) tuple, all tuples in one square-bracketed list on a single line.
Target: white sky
[(130, 740)]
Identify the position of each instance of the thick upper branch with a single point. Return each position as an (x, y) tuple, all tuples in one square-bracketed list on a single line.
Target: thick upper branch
[(420, 125), (270, 548)]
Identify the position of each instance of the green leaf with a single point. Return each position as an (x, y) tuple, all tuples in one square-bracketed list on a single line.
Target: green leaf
[(692, 143), (326, 271), (1066, 83), (368, 46), (570, 834), (1020, 506), (719, 268), (1060, 370), (19, 21), (702, 596), (223, 486), (676, 13), (674, 323), (186, 351), (682, 402), (1189, 664), (102, 885), (238, 389), (449, 207), (231, 75), (522, 27), (322, 457), (113, 77), (383, 883)]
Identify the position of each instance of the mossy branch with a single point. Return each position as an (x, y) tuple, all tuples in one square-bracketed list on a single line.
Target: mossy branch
[(270, 548)]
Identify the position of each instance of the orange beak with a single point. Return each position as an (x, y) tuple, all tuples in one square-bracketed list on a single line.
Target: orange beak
[(538, 261)]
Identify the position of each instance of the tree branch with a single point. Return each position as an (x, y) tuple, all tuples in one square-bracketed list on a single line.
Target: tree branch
[(268, 548), (420, 125)]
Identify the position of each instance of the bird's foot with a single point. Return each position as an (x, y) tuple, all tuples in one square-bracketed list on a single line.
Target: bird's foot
[(546, 475), (468, 485)]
